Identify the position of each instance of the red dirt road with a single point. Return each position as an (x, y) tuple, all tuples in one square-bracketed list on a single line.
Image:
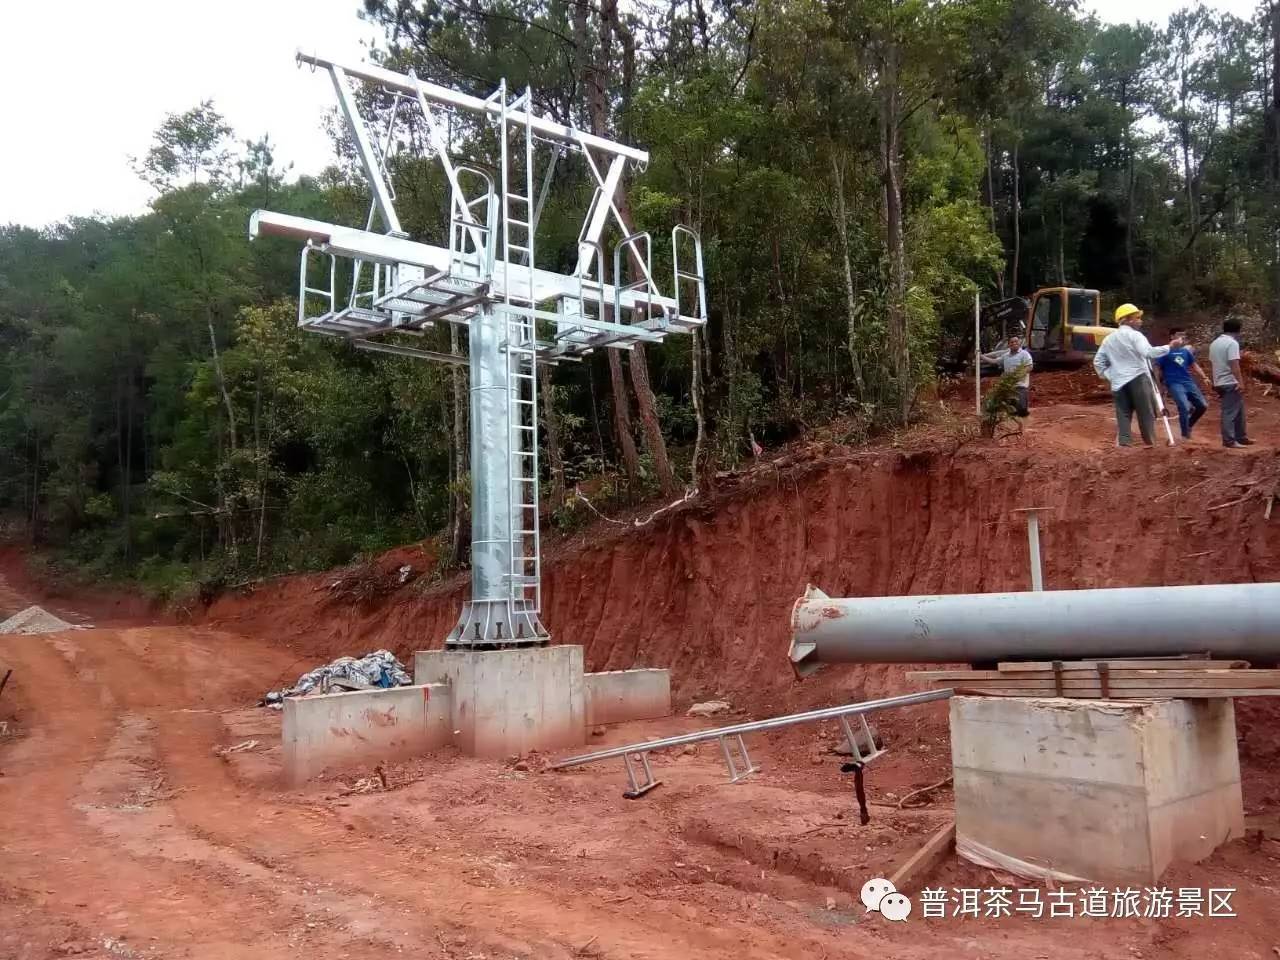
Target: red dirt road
[(123, 833)]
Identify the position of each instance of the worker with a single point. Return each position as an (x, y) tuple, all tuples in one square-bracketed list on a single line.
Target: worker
[(1175, 369), (1121, 360), (1016, 357), (1228, 383)]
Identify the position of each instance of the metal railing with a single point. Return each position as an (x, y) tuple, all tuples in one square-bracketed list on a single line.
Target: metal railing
[(640, 751)]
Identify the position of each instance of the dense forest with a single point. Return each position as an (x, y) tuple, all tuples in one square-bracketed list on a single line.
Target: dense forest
[(856, 170)]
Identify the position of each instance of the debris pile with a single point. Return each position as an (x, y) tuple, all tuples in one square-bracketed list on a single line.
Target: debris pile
[(35, 620), (377, 670), (709, 709)]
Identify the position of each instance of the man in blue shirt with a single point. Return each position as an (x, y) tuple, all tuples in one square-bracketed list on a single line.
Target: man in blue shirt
[(1175, 369)]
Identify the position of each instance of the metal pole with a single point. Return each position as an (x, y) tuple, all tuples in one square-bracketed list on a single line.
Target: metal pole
[(1033, 545), (1225, 620), (977, 354), (1160, 407), (773, 723)]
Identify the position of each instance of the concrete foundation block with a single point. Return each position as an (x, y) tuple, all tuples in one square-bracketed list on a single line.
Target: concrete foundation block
[(363, 727), (507, 702), (617, 696), (428, 666), (1104, 790)]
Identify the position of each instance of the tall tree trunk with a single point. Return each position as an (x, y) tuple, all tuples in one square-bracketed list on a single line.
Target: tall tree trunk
[(127, 498), (598, 110), (1017, 222), (702, 474), (638, 364), (1062, 263), (34, 517), (899, 341), (622, 418), (261, 467), (1130, 185), (551, 420), (991, 204), (222, 382), (1189, 186), (119, 405), (850, 293)]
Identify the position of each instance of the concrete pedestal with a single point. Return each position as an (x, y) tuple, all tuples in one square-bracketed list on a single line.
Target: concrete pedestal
[(362, 727), (1103, 790), (507, 702), (495, 703), (617, 696)]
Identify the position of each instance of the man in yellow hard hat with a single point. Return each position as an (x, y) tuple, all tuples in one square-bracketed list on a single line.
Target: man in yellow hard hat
[(1121, 360)]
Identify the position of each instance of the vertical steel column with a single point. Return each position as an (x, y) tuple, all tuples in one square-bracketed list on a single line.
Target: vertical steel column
[(490, 440)]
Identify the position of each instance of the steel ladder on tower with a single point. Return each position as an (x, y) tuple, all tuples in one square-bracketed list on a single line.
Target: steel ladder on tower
[(519, 303)]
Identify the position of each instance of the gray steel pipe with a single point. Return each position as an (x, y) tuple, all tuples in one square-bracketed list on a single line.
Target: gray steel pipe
[(1226, 620)]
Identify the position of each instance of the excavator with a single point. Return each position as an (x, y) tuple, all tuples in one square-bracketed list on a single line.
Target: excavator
[(1062, 326)]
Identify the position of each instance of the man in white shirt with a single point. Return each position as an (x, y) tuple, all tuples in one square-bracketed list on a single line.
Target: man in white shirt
[(1228, 383), (1122, 362), (1017, 357)]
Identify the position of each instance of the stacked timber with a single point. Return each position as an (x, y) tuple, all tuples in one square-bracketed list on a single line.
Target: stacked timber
[(1140, 679)]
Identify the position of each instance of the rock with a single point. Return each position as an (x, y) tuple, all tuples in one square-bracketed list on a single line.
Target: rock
[(841, 746), (816, 761), (598, 731), (689, 750), (709, 708), (831, 903), (521, 765), (35, 620)]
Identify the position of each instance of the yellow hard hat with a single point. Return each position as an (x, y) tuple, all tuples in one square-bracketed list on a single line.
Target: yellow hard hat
[(1126, 310)]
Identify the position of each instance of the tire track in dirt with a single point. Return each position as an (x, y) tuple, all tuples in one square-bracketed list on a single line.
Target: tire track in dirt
[(173, 847)]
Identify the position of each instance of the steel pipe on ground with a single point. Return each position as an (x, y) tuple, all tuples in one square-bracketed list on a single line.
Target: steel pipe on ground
[(1226, 620)]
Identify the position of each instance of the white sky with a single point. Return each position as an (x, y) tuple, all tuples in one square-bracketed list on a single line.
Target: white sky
[(84, 83)]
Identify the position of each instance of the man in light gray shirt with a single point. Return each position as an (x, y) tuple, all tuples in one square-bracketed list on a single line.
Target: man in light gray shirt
[(1017, 357), (1228, 383)]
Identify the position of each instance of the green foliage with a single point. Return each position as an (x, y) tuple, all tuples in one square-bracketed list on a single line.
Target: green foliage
[(1000, 404), (161, 417)]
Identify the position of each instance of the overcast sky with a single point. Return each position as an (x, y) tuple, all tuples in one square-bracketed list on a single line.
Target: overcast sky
[(84, 83)]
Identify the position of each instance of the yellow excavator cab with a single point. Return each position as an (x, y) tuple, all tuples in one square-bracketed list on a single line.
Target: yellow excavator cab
[(1064, 324)]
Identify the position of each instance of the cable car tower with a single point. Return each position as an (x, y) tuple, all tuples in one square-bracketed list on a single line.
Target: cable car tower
[(487, 280)]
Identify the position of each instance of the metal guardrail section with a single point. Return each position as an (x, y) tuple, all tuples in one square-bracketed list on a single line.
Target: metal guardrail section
[(639, 752)]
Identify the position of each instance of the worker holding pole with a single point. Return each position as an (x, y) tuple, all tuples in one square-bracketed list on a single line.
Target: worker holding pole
[(1121, 360), (1016, 357)]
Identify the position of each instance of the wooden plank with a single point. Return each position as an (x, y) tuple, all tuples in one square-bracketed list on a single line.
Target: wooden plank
[(1122, 683), (1130, 683), (912, 874), (1149, 693), (981, 676), (1138, 663)]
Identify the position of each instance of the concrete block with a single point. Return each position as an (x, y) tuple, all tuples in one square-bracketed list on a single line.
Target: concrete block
[(1105, 790), (428, 666), (507, 702), (363, 727), (616, 696)]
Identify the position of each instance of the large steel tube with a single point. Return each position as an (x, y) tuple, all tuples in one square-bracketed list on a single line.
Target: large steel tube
[(1225, 620)]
